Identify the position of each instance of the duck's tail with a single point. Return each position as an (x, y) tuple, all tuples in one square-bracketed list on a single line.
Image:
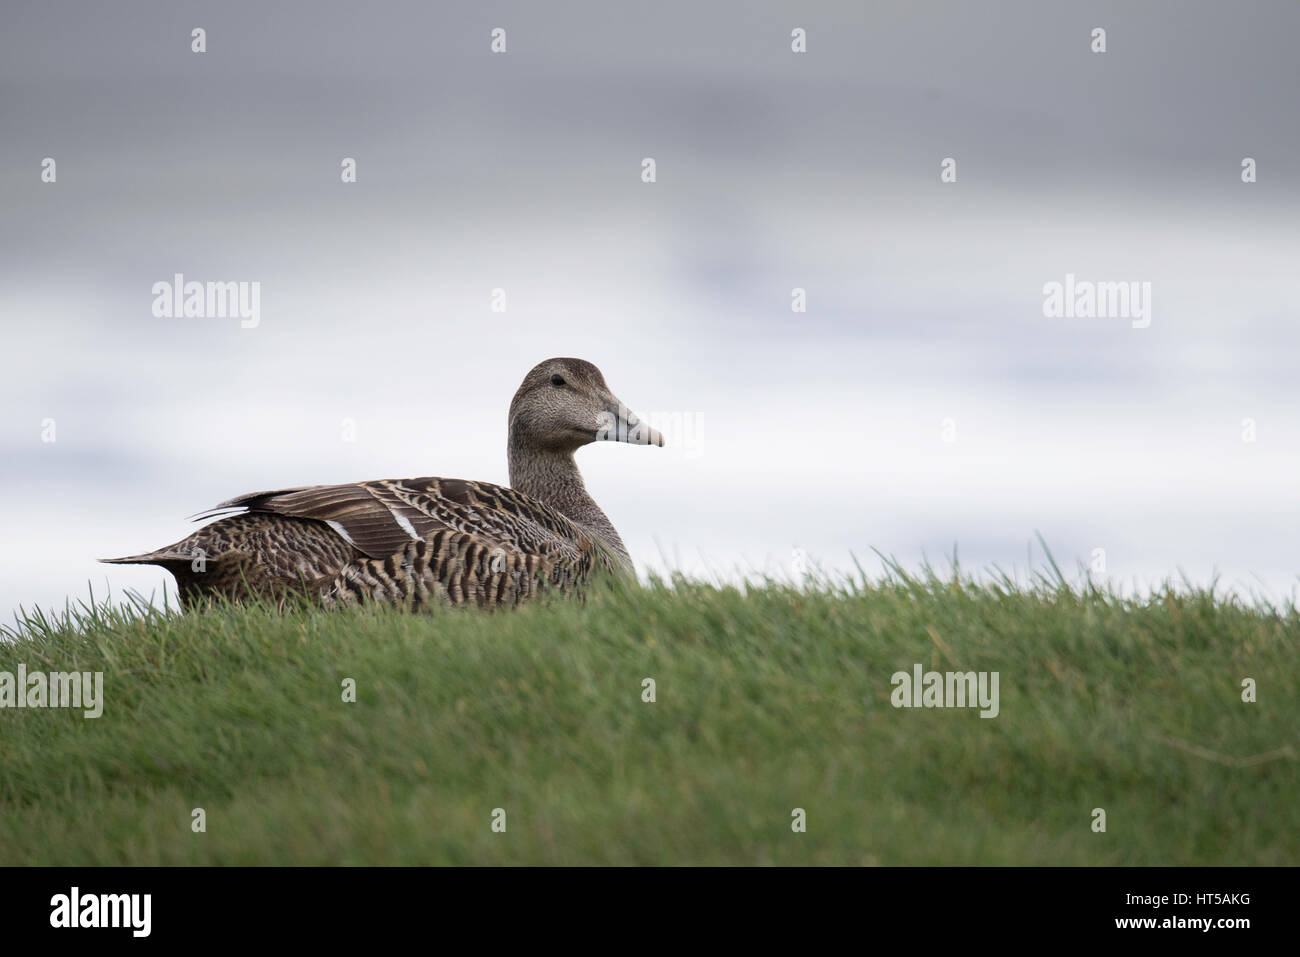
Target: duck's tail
[(162, 556)]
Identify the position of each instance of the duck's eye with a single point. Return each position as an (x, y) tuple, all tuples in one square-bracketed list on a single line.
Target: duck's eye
[(557, 379)]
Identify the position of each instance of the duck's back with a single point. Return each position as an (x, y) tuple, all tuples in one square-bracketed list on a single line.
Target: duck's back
[(412, 542)]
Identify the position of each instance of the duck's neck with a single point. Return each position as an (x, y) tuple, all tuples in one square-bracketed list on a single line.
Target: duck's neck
[(552, 477)]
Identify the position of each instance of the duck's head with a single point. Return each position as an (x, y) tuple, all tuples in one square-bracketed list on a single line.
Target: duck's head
[(563, 404)]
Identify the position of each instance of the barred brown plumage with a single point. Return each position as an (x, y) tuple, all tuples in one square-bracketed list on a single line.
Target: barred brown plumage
[(430, 541)]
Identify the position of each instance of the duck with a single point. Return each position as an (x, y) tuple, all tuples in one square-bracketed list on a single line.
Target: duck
[(425, 542)]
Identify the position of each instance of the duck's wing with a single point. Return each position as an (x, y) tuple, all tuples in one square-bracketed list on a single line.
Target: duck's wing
[(380, 518)]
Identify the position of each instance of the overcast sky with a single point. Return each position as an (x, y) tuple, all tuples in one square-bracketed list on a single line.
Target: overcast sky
[(922, 401)]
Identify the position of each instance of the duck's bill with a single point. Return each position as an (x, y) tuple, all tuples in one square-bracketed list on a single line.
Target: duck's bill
[(621, 424)]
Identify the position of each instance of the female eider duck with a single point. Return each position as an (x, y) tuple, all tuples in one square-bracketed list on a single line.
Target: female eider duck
[(428, 541)]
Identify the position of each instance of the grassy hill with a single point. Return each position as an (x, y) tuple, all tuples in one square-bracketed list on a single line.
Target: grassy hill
[(768, 700)]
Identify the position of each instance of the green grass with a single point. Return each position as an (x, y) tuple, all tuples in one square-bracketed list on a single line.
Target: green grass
[(768, 699)]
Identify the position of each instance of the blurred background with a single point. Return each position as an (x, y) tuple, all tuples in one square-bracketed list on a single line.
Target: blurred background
[(922, 402)]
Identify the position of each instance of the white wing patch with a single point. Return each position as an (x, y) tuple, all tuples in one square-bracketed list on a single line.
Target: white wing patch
[(343, 533), (405, 522)]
